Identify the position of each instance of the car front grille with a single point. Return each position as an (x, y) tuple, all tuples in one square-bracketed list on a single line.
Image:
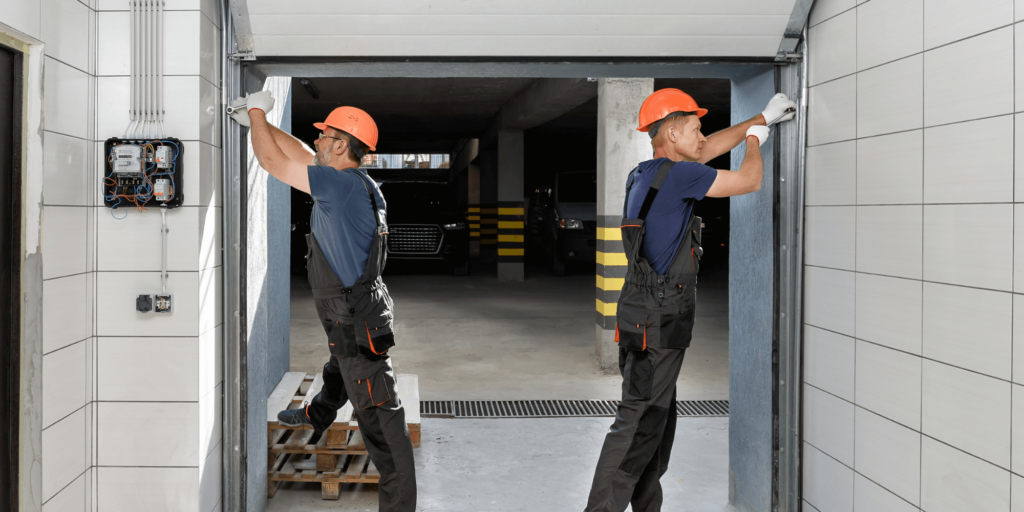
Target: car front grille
[(414, 238)]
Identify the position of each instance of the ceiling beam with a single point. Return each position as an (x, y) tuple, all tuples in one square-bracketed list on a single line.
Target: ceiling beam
[(545, 100)]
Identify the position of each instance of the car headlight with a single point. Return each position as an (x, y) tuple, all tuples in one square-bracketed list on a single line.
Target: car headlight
[(570, 224), (455, 225)]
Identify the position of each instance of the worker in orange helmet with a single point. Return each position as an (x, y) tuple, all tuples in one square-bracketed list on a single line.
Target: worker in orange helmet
[(345, 259), (654, 320)]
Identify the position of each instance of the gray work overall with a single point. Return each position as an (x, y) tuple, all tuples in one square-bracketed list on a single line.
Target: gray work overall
[(358, 322), (654, 326)]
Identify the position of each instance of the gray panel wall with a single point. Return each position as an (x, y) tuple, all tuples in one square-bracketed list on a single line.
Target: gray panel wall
[(750, 317)]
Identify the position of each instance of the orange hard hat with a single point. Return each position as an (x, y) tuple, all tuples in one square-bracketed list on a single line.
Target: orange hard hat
[(663, 102), (355, 122)]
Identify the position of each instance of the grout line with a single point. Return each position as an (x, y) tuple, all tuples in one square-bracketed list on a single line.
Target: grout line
[(73, 480), (914, 279), (68, 415), (66, 346)]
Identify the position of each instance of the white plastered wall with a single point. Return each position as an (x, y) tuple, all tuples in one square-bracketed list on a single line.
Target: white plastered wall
[(130, 408), (914, 347)]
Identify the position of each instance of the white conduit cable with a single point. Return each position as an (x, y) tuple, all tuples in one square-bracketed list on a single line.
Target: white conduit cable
[(160, 69), (163, 252), (149, 69), (134, 52)]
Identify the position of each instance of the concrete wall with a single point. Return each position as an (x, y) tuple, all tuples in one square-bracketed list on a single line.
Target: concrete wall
[(913, 362), (129, 401), (751, 285), (268, 239)]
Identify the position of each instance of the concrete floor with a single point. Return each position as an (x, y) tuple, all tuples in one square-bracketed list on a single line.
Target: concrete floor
[(471, 338)]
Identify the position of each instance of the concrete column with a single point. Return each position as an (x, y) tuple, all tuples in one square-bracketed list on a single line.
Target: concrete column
[(619, 149), (488, 202), (473, 207), (510, 205)]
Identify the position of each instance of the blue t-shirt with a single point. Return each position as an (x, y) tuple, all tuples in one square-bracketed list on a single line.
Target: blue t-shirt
[(343, 220), (686, 182)]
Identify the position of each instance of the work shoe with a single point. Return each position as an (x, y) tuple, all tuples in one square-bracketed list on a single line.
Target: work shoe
[(294, 417)]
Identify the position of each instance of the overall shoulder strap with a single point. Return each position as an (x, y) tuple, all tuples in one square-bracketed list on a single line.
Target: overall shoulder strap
[(659, 179), (629, 185), (373, 197)]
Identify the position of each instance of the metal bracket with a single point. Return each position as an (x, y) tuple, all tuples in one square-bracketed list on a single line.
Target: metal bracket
[(249, 55), (789, 57)]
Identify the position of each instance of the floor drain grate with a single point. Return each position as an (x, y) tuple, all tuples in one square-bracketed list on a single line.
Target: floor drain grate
[(555, 408)]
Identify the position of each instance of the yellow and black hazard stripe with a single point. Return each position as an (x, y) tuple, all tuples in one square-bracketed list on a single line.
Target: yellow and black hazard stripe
[(511, 247), (473, 220), (489, 225), (611, 269)]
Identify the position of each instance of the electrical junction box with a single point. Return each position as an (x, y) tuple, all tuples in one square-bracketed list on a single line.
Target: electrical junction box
[(162, 304), (143, 173)]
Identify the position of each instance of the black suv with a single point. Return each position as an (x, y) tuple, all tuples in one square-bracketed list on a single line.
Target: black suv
[(425, 222), (562, 222)]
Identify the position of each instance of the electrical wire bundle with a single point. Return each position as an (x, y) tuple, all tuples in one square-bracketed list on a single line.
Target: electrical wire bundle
[(143, 191), (147, 70)]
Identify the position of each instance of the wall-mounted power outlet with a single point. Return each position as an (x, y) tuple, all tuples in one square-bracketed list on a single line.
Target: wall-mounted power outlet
[(162, 304), (144, 303)]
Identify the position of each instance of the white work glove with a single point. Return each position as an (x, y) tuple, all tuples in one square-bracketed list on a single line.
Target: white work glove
[(240, 113), (775, 112), (261, 100), (761, 132)]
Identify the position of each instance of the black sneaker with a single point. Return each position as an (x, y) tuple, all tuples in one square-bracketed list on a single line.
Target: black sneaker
[(294, 417)]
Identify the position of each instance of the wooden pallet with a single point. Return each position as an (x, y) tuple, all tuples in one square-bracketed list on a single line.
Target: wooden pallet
[(339, 456)]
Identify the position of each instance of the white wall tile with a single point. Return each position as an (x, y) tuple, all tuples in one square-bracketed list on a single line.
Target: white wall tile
[(967, 410), (825, 9), (835, 48), (210, 360), (181, 32), (210, 421), (68, 298), (207, 179), (831, 177), (148, 434), (64, 384), (148, 369), (210, 240), (890, 97), (113, 44), (149, 489), (209, 115), (946, 21), (1016, 494), (970, 79), (982, 175), (1017, 424), (831, 108), (64, 241), (115, 304), (970, 245), (63, 453), (23, 15), (889, 454), (66, 32), (889, 240), (67, 164), (1018, 339), (210, 481), (211, 297), (71, 499), (828, 424), (889, 383), (828, 485), (209, 50), (1018, 248), (1018, 162), (185, 107), (66, 109), (829, 299), (953, 481), (969, 328), (870, 497), (890, 168), (1018, 64), (143, 228), (829, 361), (888, 30), (113, 96), (830, 236), (889, 312)]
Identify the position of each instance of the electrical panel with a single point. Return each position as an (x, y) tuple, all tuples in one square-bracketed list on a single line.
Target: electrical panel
[(143, 173)]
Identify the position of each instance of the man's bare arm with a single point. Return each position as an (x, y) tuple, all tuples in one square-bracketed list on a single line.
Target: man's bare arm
[(272, 157), (292, 147), (722, 141), (743, 181)]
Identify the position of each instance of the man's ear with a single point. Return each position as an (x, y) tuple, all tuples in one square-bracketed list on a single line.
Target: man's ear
[(341, 147)]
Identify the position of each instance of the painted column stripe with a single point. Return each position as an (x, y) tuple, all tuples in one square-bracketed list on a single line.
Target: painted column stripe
[(606, 308), (510, 252), (612, 258), (609, 234), (511, 238), (610, 283), (510, 224), (510, 211)]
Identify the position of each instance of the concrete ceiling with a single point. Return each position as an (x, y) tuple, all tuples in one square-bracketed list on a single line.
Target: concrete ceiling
[(431, 115)]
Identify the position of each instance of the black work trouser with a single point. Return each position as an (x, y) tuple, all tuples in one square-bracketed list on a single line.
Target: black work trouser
[(382, 425), (636, 450)]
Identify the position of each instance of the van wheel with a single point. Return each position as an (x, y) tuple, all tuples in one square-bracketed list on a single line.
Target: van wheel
[(461, 270), (557, 265)]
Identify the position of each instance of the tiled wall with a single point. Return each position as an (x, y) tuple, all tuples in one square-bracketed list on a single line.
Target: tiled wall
[(914, 345), (131, 403)]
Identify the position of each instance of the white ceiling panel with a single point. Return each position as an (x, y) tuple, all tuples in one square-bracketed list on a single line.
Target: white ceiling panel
[(528, 28)]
